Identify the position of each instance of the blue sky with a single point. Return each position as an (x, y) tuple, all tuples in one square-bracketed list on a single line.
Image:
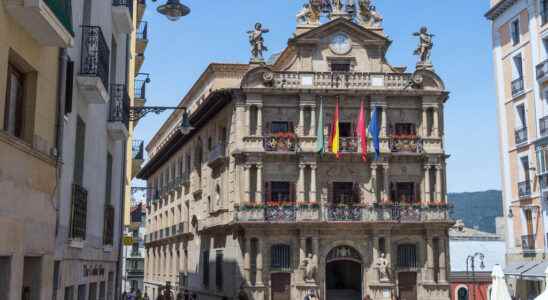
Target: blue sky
[(178, 52)]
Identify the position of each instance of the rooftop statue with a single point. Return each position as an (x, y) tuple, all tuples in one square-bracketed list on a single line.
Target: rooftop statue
[(310, 13), (425, 47), (257, 42), (368, 14)]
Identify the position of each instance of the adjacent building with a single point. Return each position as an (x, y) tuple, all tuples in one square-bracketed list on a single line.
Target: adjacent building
[(520, 32), (33, 35), (244, 206), (134, 263)]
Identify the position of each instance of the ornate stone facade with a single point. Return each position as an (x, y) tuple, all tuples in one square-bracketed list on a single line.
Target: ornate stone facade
[(259, 214)]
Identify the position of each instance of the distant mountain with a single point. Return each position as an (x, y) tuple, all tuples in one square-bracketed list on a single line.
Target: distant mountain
[(477, 209)]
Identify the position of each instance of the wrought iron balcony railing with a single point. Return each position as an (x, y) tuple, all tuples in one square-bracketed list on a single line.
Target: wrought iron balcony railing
[(528, 242), (126, 3), (140, 87), (280, 142), (108, 228), (281, 213), (95, 54), (524, 189), (78, 213), (405, 144), (521, 135), (344, 213), (63, 12), (542, 69), (138, 149), (119, 104), (347, 145), (142, 31), (517, 86)]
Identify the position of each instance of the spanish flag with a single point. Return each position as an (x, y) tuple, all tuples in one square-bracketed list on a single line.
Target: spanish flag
[(334, 141)]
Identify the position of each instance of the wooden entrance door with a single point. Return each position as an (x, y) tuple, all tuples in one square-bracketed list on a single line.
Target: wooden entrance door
[(407, 285), (281, 285)]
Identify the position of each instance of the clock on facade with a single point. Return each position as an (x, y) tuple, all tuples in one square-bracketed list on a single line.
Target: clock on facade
[(340, 43)]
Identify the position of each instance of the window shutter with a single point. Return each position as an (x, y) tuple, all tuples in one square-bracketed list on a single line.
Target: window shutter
[(69, 86)]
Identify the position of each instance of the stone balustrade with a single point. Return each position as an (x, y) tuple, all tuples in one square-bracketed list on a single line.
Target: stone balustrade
[(340, 80)]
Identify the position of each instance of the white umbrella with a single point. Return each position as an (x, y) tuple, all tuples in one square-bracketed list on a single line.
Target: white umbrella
[(499, 289), (544, 295)]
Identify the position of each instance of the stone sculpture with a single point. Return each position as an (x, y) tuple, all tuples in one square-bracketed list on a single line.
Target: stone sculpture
[(310, 269), (256, 41), (384, 268), (425, 47), (368, 14)]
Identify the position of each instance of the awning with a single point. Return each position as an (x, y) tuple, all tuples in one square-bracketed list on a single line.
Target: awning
[(527, 270)]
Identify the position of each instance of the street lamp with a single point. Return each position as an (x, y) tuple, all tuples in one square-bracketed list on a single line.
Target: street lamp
[(471, 261), (173, 10)]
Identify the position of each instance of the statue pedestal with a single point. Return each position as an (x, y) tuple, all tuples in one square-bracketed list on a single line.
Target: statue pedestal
[(303, 28), (257, 61), (425, 66), (302, 289), (382, 290), (339, 14)]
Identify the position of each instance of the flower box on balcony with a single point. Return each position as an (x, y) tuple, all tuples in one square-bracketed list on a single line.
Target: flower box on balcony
[(281, 142)]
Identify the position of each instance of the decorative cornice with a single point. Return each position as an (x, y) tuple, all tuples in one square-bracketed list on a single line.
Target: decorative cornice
[(499, 9)]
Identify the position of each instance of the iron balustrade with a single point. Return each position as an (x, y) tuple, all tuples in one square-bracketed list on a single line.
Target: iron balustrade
[(119, 104), (524, 189), (521, 135), (528, 242), (140, 88), (137, 149), (108, 228), (142, 31), (543, 125), (407, 256), (280, 143), (344, 213), (95, 54), (517, 86), (78, 215), (542, 69), (62, 9), (281, 213), (126, 3)]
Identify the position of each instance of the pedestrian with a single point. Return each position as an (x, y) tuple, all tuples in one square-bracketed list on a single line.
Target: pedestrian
[(145, 297)]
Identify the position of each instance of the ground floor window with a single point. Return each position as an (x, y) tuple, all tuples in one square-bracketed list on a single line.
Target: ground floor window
[(280, 257)]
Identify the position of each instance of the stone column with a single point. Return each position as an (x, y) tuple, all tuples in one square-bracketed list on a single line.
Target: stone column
[(388, 246), (313, 183), (386, 184), (259, 120), (247, 261), (429, 242), (374, 178), (259, 189), (435, 125), (426, 188), (424, 122), (248, 119), (384, 122), (301, 121), (259, 280), (300, 183), (247, 188), (438, 184), (313, 129), (443, 259), (302, 249), (316, 250)]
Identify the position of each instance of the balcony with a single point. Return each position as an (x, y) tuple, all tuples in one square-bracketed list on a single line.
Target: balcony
[(528, 243), (94, 66), (122, 15), (521, 135), (118, 116), (78, 212), (524, 189), (281, 142), (141, 37), (48, 21), (346, 145), (216, 156), (517, 87), (405, 144), (543, 126), (108, 228), (140, 84), (137, 149), (182, 228), (139, 60), (340, 80), (141, 6), (542, 71), (344, 213)]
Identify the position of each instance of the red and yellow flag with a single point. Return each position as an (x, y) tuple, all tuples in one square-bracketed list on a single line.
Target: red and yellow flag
[(334, 139)]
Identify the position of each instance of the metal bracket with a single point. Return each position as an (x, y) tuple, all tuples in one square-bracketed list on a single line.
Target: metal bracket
[(136, 113)]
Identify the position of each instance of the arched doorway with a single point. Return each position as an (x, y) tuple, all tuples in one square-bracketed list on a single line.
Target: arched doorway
[(343, 272)]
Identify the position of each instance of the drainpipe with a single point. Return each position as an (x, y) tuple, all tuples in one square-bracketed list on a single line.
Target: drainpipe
[(119, 269)]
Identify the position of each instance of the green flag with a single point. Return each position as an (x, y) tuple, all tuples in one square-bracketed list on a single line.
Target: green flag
[(320, 139)]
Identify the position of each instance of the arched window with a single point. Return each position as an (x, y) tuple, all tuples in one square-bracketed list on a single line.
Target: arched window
[(280, 257), (253, 259), (462, 293), (407, 256)]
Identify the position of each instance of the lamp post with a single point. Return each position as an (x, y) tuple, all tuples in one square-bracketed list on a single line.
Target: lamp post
[(471, 261), (173, 9)]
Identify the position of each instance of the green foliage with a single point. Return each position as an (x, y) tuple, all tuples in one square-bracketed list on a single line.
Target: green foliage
[(477, 209)]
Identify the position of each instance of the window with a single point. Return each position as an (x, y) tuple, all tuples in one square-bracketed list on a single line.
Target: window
[(279, 191), (279, 127), (517, 70), (524, 174), (87, 13), (462, 293), (108, 183), (521, 116), (345, 129), (514, 30), (5, 270), (544, 11), (205, 268), (404, 192), (340, 66), (69, 86), (14, 110), (345, 193), (280, 259), (404, 129), (219, 270), (92, 291), (102, 290), (82, 292), (382, 245), (79, 152), (69, 293), (407, 256)]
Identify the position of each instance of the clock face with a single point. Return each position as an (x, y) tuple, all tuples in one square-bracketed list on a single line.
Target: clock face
[(340, 43)]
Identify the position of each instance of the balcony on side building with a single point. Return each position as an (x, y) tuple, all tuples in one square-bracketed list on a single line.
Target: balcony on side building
[(118, 113), (94, 66), (78, 212), (141, 6), (542, 71), (48, 21), (524, 189), (520, 135), (528, 243), (140, 89), (217, 155), (543, 126), (518, 87), (122, 15), (138, 156), (141, 37), (108, 228)]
